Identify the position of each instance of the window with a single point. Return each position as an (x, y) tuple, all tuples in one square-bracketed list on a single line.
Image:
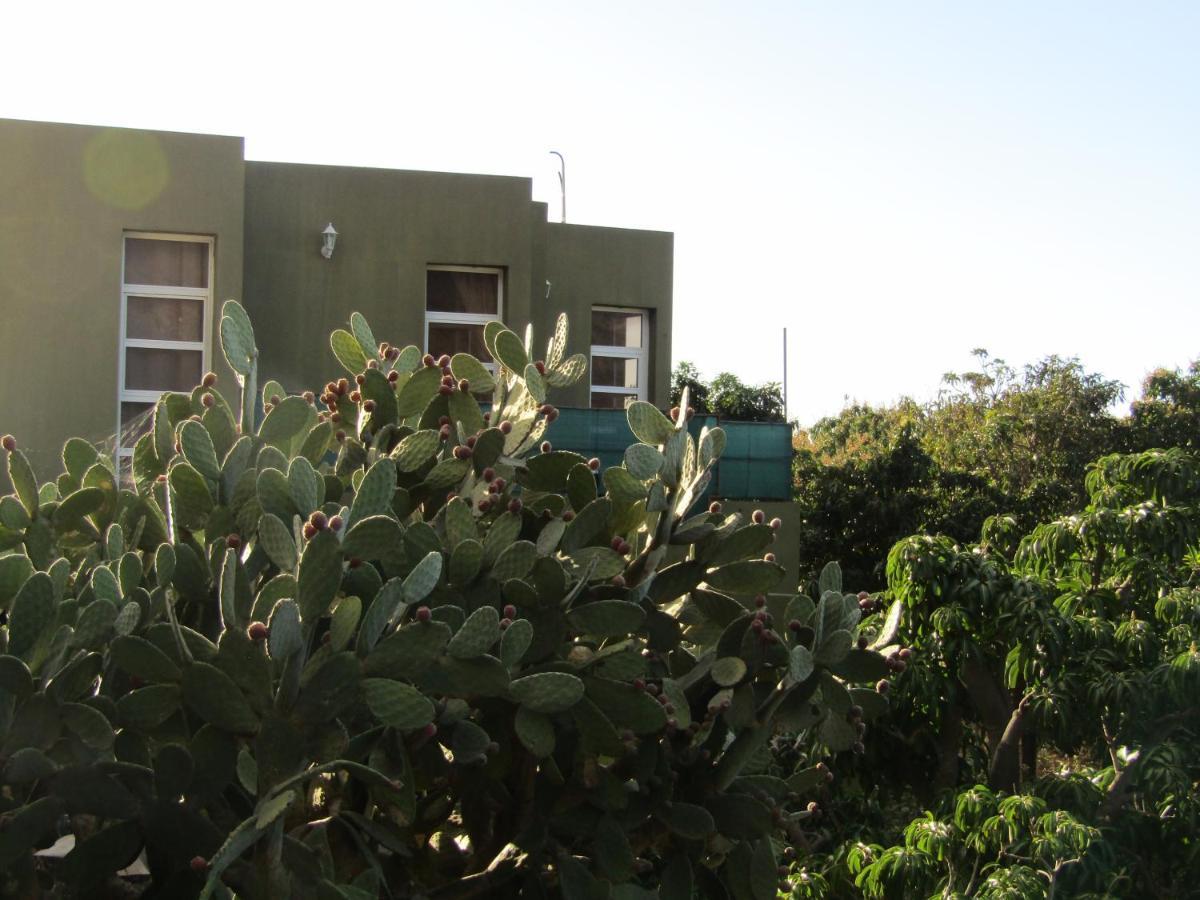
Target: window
[(459, 302), (619, 371), (166, 306)]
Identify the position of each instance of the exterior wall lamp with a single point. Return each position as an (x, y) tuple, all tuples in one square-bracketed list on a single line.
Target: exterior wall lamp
[(328, 239)]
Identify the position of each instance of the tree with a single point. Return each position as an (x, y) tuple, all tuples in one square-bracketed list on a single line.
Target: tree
[(727, 397)]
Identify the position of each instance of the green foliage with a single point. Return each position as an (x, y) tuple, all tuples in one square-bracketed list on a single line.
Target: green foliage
[(387, 649), (727, 397), (1058, 672), (995, 443)]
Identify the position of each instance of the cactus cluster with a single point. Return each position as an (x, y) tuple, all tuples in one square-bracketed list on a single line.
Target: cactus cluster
[(397, 647)]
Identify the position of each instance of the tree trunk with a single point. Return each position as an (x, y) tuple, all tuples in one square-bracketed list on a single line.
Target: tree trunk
[(1004, 771), (991, 700), (949, 744)]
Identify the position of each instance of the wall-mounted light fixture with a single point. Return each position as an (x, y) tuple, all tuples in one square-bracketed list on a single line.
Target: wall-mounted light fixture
[(328, 238)]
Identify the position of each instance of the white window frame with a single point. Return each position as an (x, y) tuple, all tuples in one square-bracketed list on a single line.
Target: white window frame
[(161, 292), (451, 318), (641, 354)]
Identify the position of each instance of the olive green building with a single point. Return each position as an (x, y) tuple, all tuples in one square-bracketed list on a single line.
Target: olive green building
[(120, 246)]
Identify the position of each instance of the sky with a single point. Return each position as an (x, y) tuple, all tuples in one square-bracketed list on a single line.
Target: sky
[(893, 183)]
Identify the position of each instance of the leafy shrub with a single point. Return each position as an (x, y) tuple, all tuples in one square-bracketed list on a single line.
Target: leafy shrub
[(399, 647)]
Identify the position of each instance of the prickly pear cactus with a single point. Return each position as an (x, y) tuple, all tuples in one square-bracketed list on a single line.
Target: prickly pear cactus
[(378, 642)]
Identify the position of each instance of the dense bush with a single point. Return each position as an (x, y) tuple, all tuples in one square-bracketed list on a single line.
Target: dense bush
[(1048, 716), (995, 442), (401, 647), (727, 396)]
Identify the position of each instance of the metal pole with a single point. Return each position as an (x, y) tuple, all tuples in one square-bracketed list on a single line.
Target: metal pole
[(562, 182), (785, 406)]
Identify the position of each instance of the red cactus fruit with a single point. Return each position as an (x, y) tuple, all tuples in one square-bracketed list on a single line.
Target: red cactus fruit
[(355, 396), (618, 581), (758, 516), (443, 360), (515, 505), (199, 865), (369, 405), (233, 541), (359, 379), (393, 376), (336, 523), (464, 385), (485, 505), (339, 436), (428, 360), (568, 516), (423, 614), (429, 730), (207, 401), (445, 390), (505, 427), (309, 531), (318, 519), (769, 557), (444, 432), (488, 474), (257, 631), (309, 397), (540, 366), (510, 611), (776, 523), (546, 447), (594, 464), (209, 379), (714, 507)]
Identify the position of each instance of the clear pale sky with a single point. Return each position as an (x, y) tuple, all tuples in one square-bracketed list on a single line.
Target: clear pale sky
[(896, 183)]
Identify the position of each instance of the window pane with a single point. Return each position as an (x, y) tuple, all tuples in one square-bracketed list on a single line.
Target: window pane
[(171, 263), (164, 319), (616, 329), (135, 421), (463, 292), (162, 370), (452, 338), (613, 371)]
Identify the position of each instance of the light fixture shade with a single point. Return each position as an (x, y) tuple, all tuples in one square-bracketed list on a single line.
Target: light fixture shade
[(328, 239)]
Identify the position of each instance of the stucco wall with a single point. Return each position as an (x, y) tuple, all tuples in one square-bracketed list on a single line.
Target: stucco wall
[(391, 225), (589, 266), (67, 195)]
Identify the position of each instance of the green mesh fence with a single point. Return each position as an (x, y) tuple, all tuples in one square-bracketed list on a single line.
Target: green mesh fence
[(756, 465)]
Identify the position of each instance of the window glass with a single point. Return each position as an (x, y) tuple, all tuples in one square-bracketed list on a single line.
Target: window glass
[(135, 421), (614, 371), (611, 328), (451, 338), (165, 319), (167, 263), (476, 293), (152, 369)]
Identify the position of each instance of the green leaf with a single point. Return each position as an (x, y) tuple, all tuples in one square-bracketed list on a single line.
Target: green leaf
[(589, 524), (362, 334), (374, 494), (515, 641), (348, 351), (192, 499), (464, 365), (198, 449), (215, 698), (547, 692), (607, 618), (139, 657), (20, 473), (648, 424), (800, 664), (416, 450), (285, 635), (31, 617), (277, 542), (88, 724), (534, 731), (752, 576), (375, 537), (320, 575), (421, 581), (76, 506), (283, 423), (478, 633), (623, 487), (510, 351), (397, 704), (728, 671)]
